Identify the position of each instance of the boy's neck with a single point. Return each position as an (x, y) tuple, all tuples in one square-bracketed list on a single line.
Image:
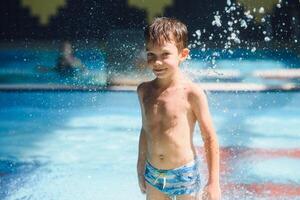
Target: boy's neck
[(169, 81)]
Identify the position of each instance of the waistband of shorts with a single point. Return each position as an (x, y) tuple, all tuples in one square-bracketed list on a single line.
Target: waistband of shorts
[(187, 165)]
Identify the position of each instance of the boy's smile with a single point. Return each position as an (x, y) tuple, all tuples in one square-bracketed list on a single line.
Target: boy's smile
[(164, 59)]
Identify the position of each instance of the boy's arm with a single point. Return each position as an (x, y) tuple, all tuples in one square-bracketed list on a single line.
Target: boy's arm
[(142, 145), (141, 155), (211, 146)]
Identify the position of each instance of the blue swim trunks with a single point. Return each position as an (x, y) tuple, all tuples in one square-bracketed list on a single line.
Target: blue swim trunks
[(179, 181)]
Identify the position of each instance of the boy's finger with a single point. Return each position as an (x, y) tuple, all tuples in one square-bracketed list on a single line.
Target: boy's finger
[(143, 190), (204, 195)]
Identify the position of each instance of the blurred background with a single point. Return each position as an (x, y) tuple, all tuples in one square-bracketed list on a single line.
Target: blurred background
[(70, 117), (238, 41)]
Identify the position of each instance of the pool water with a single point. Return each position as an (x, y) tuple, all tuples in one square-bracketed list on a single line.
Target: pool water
[(76, 145)]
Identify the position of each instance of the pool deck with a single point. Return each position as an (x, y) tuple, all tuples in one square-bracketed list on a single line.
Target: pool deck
[(214, 87), (277, 74)]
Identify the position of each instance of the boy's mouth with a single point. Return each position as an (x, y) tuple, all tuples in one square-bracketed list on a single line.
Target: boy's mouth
[(159, 70)]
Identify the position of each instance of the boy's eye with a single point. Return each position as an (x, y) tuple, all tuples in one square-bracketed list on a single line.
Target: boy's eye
[(166, 54), (150, 54), (150, 57)]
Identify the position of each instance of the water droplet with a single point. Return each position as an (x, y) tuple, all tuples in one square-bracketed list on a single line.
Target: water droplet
[(232, 8), (261, 10), (248, 14), (217, 22), (244, 24), (267, 39), (198, 33)]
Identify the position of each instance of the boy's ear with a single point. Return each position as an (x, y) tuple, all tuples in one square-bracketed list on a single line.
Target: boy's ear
[(184, 54)]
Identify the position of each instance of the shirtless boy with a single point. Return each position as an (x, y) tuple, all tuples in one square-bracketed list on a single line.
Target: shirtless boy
[(168, 166)]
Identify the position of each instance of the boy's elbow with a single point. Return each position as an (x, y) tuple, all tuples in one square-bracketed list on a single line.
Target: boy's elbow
[(209, 135), (210, 140)]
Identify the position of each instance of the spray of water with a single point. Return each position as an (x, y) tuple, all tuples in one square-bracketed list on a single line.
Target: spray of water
[(231, 23)]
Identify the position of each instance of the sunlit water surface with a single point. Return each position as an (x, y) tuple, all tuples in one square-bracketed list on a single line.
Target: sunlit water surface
[(84, 145)]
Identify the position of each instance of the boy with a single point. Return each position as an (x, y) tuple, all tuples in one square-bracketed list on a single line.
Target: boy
[(168, 166)]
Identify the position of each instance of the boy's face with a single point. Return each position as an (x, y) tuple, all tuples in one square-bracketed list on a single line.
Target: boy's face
[(164, 60)]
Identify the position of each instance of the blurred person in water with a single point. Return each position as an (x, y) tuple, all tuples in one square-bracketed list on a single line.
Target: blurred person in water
[(67, 64)]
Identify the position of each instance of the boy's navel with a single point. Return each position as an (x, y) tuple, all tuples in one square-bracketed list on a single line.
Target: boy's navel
[(161, 157)]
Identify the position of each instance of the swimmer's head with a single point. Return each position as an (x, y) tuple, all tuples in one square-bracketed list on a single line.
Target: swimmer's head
[(163, 30), (66, 48)]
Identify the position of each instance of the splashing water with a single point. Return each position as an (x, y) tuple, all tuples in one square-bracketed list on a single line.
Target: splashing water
[(230, 32)]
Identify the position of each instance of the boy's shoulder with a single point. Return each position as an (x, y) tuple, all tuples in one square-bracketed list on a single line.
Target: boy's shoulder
[(142, 87), (195, 91), (194, 88)]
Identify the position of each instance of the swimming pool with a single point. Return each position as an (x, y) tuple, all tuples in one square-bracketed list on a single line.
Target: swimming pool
[(83, 145), (19, 66)]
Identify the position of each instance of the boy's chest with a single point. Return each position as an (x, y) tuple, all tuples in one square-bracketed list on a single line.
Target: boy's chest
[(165, 106)]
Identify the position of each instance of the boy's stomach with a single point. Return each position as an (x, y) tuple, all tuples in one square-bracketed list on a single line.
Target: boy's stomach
[(169, 156)]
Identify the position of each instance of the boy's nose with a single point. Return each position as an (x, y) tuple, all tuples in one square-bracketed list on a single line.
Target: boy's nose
[(158, 62)]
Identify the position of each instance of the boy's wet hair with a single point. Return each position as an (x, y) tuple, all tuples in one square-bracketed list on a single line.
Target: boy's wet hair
[(165, 29)]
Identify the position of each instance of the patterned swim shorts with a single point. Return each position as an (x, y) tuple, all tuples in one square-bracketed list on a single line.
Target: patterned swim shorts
[(173, 182)]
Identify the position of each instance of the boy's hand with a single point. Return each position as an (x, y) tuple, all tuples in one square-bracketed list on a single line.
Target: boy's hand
[(211, 192), (142, 184)]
